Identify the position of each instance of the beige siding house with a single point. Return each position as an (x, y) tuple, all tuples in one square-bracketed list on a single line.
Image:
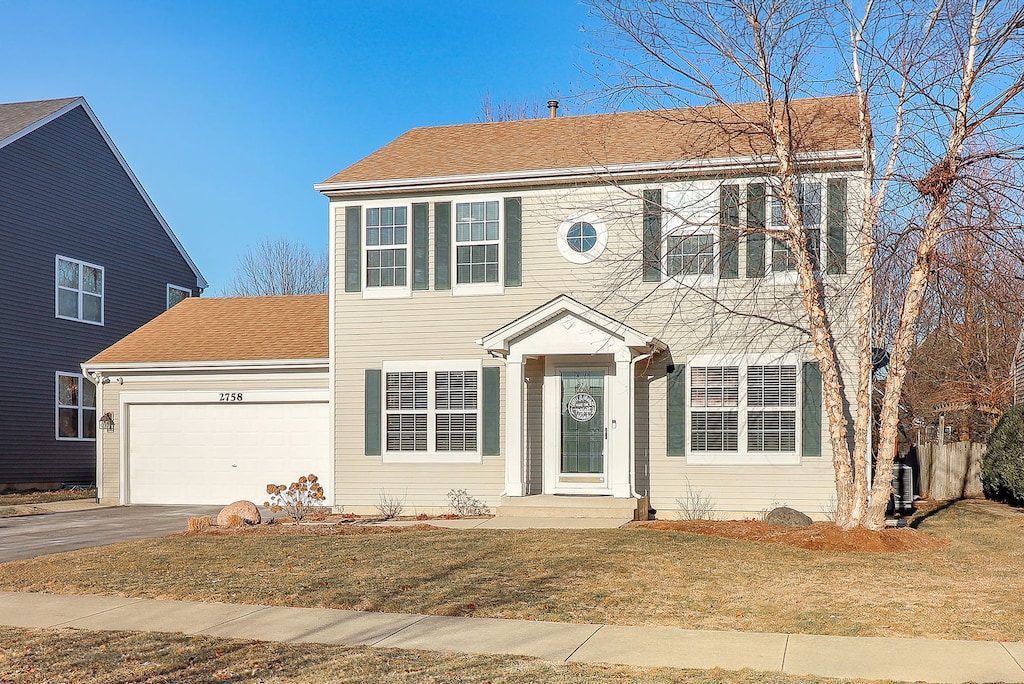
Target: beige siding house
[(584, 307)]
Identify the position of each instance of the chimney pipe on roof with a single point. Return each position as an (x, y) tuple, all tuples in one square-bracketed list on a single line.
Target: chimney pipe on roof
[(552, 109)]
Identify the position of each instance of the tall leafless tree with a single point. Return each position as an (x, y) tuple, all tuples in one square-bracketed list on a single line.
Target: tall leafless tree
[(938, 86), (279, 267), (509, 110)]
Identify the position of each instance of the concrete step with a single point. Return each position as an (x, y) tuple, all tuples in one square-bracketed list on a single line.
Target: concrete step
[(559, 506)]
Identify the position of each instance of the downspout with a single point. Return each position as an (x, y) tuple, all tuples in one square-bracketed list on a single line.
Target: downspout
[(632, 416), (97, 379)]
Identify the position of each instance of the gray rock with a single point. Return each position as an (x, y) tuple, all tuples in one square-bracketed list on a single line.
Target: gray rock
[(246, 510), (784, 516)]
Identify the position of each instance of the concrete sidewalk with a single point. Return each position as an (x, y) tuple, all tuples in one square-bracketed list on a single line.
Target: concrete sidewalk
[(852, 657)]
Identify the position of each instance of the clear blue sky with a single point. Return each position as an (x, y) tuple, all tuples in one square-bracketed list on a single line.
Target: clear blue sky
[(229, 111)]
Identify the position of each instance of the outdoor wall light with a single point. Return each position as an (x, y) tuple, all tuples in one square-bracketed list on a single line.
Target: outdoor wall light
[(107, 422)]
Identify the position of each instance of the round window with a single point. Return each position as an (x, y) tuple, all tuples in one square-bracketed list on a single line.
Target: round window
[(582, 238)]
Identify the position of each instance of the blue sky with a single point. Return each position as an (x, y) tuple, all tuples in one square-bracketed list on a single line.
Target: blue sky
[(229, 111)]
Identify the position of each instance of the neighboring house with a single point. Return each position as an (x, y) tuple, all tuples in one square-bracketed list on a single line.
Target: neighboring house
[(565, 310), (1017, 371), (87, 259)]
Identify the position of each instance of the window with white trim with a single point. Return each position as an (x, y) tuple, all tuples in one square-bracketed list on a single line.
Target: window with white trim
[(176, 295), (76, 407), (808, 199), (690, 235), (432, 413), (79, 291), (743, 413), (386, 252), (478, 244)]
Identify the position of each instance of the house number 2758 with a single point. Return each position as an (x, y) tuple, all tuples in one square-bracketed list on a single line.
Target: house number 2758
[(231, 396)]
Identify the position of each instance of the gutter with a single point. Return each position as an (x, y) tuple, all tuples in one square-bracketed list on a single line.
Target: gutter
[(164, 366)]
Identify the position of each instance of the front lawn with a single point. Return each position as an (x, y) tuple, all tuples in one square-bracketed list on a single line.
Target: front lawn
[(970, 589), (72, 656)]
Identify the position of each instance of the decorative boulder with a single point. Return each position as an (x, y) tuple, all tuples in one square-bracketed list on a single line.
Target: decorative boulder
[(784, 516), (245, 510)]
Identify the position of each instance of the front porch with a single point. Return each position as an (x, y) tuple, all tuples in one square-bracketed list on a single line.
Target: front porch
[(570, 405)]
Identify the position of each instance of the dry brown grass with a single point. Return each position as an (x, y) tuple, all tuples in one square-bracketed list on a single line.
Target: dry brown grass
[(73, 656), (24, 498), (973, 588)]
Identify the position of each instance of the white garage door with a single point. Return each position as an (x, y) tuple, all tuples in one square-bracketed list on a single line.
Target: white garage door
[(218, 453)]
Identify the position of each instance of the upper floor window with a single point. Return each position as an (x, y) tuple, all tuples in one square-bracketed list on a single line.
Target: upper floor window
[(176, 295), (79, 295), (808, 200), (76, 407), (386, 265), (582, 237), (477, 245), (689, 247)]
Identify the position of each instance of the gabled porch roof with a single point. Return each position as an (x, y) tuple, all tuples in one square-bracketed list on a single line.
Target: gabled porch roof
[(500, 341)]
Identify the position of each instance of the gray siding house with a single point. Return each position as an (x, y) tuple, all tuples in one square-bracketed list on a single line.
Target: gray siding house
[(86, 259)]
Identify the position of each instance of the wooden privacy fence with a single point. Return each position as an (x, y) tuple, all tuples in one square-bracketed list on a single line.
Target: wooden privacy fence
[(951, 471)]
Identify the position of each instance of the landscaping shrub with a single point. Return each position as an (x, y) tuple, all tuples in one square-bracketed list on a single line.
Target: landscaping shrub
[(200, 524), (1002, 466), (463, 503), (303, 497)]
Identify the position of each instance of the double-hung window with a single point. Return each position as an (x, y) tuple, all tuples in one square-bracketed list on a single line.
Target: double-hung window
[(176, 295), (76, 407), (808, 200), (742, 413), (477, 246), (688, 256), (432, 412), (79, 291), (386, 266), (690, 235)]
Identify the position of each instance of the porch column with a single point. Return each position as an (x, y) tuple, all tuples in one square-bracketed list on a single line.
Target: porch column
[(618, 438), (514, 485)]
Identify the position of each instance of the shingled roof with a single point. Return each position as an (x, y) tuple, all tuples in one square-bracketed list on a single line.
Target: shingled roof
[(17, 116), (602, 140), (228, 329)]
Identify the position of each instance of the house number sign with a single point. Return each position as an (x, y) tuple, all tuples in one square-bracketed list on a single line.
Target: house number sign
[(232, 397), (582, 407)]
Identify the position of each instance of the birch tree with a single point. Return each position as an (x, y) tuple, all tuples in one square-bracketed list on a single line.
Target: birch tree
[(938, 86)]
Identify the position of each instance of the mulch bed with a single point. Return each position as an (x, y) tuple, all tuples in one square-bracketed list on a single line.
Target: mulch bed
[(819, 536)]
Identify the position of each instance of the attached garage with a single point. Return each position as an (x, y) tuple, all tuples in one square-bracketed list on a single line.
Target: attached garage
[(213, 401)]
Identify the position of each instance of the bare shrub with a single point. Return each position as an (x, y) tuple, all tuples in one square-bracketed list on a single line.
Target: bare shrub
[(463, 503), (234, 520), (390, 506), (300, 499), (769, 508), (694, 505), (200, 524)]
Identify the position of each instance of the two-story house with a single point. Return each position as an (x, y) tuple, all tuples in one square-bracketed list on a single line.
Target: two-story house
[(573, 310), (87, 259)]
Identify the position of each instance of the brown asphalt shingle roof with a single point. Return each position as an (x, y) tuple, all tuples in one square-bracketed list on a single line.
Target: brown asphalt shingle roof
[(668, 135), (228, 329), (19, 115)]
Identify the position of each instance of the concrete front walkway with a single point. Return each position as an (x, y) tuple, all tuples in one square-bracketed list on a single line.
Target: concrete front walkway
[(853, 657)]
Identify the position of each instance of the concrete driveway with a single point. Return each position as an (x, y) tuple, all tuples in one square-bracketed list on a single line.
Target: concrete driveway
[(37, 535)]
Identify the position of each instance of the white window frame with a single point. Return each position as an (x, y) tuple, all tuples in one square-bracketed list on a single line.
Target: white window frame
[(170, 287), (57, 288), (385, 291), (698, 200), (431, 455), (601, 237), (464, 289), (80, 407), (772, 202), (742, 456)]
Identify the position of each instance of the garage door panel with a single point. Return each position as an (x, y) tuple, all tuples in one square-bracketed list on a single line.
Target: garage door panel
[(218, 453)]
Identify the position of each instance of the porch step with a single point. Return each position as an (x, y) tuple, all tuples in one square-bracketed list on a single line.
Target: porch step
[(567, 506)]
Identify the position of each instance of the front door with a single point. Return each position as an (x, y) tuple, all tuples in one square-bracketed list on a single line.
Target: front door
[(584, 434)]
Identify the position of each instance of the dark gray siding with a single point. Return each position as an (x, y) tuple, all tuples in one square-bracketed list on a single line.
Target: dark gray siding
[(62, 191)]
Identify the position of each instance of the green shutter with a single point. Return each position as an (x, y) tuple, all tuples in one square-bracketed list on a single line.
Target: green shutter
[(836, 225), (513, 241), (372, 412), (728, 232), (755, 223), (676, 403), (811, 409), (652, 236), (353, 248), (442, 245), (492, 411), (420, 239)]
